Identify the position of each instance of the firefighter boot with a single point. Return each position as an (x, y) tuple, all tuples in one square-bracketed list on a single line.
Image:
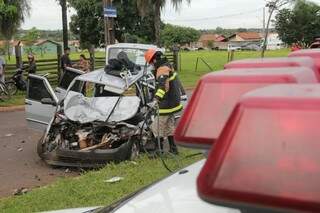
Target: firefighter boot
[(159, 149), (173, 147)]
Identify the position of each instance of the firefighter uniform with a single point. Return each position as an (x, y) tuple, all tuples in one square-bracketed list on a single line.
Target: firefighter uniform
[(169, 98)]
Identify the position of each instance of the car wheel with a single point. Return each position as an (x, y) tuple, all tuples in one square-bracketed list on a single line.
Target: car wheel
[(40, 147), (12, 88), (134, 151)]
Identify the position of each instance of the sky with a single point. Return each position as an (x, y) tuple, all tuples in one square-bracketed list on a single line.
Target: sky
[(199, 14)]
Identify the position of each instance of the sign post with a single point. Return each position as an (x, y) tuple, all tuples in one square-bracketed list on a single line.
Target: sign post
[(110, 13)]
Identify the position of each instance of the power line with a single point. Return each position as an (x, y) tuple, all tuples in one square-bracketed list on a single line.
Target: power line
[(216, 17)]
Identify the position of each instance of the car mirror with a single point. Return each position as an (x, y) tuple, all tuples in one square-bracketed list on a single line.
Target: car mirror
[(48, 101)]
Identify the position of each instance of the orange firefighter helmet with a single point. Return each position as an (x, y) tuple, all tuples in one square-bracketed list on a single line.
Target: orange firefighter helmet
[(149, 55)]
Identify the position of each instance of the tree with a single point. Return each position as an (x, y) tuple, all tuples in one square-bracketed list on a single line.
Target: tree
[(273, 5), (154, 7), (31, 37), (63, 4), (88, 23), (299, 25), (173, 35), (12, 14)]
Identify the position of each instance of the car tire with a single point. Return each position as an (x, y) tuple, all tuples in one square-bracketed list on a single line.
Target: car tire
[(40, 148), (133, 151), (12, 88)]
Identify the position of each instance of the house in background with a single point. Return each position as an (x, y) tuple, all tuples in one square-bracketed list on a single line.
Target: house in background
[(243, 38), (274, 42), (45, 46), (210, 41)]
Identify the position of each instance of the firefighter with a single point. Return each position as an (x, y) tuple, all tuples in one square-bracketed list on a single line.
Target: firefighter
[(167, 97)]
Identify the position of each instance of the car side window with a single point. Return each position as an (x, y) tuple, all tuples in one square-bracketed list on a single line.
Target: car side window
[(67, 78), (37, 90)]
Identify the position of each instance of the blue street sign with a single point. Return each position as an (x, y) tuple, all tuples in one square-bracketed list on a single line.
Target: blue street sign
[(110, 12)]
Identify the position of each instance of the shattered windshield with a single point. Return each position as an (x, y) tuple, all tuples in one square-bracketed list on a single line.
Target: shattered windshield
[(134, 55)]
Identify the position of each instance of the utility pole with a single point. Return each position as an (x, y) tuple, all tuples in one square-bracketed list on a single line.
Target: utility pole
[(63, 4), (272, 5), (108, 24), (264, 21)]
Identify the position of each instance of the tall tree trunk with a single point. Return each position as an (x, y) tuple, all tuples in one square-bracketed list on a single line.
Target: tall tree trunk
[(8, 48), (157, 21), (64, 22)]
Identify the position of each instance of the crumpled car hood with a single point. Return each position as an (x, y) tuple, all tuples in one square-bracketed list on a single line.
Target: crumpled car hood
[(85, 110)]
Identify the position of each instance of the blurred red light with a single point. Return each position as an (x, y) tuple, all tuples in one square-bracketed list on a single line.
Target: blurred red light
[(268, 153), (216, 95), (276, 62), (312, 53)]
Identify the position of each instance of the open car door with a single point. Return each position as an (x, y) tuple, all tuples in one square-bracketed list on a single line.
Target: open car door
[(41, 102), (66, 79)]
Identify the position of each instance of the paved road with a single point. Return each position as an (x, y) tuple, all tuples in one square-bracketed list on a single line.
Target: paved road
[(20, 165)]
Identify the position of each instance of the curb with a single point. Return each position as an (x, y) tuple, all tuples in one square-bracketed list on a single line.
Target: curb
[(12, 108)]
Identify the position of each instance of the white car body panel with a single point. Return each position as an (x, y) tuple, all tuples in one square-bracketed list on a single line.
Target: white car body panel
[(39, 115), (76, 210), (175, 194)]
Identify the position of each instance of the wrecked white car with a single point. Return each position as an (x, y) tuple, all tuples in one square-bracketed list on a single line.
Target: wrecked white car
[(102, 118)]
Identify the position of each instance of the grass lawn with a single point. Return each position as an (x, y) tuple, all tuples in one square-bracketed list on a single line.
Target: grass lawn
[(90, 189), (16, 100), (216, 59)]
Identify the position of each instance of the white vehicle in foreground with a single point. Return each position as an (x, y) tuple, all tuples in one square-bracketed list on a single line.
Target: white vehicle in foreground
[(174, 194)]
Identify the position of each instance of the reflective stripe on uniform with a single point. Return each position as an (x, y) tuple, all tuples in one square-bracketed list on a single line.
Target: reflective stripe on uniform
[(173, 76), (172, 110), (160, 93)]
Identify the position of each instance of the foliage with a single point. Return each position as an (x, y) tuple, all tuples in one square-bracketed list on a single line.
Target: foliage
[(88, 24), (210, 44), (154, 7), (12, 14), (31, 36), (299, 25), (172, 35), (136, 27)]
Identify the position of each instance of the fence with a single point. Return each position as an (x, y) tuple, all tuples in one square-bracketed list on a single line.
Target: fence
[(48, 66), (52, 66)]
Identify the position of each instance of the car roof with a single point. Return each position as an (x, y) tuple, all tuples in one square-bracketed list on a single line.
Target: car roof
[(175, 194), (113, 83), (131, 45)]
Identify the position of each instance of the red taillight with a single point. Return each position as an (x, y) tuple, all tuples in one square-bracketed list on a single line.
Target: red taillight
[(312, 53), (275, 62), (268, 153), (217, 94)]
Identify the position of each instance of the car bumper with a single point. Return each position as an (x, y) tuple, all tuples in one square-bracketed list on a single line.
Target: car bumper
[(87, 159)]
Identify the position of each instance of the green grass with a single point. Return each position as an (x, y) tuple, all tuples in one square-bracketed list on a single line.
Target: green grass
[(216, 59), (16, 100), (90, 189)]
